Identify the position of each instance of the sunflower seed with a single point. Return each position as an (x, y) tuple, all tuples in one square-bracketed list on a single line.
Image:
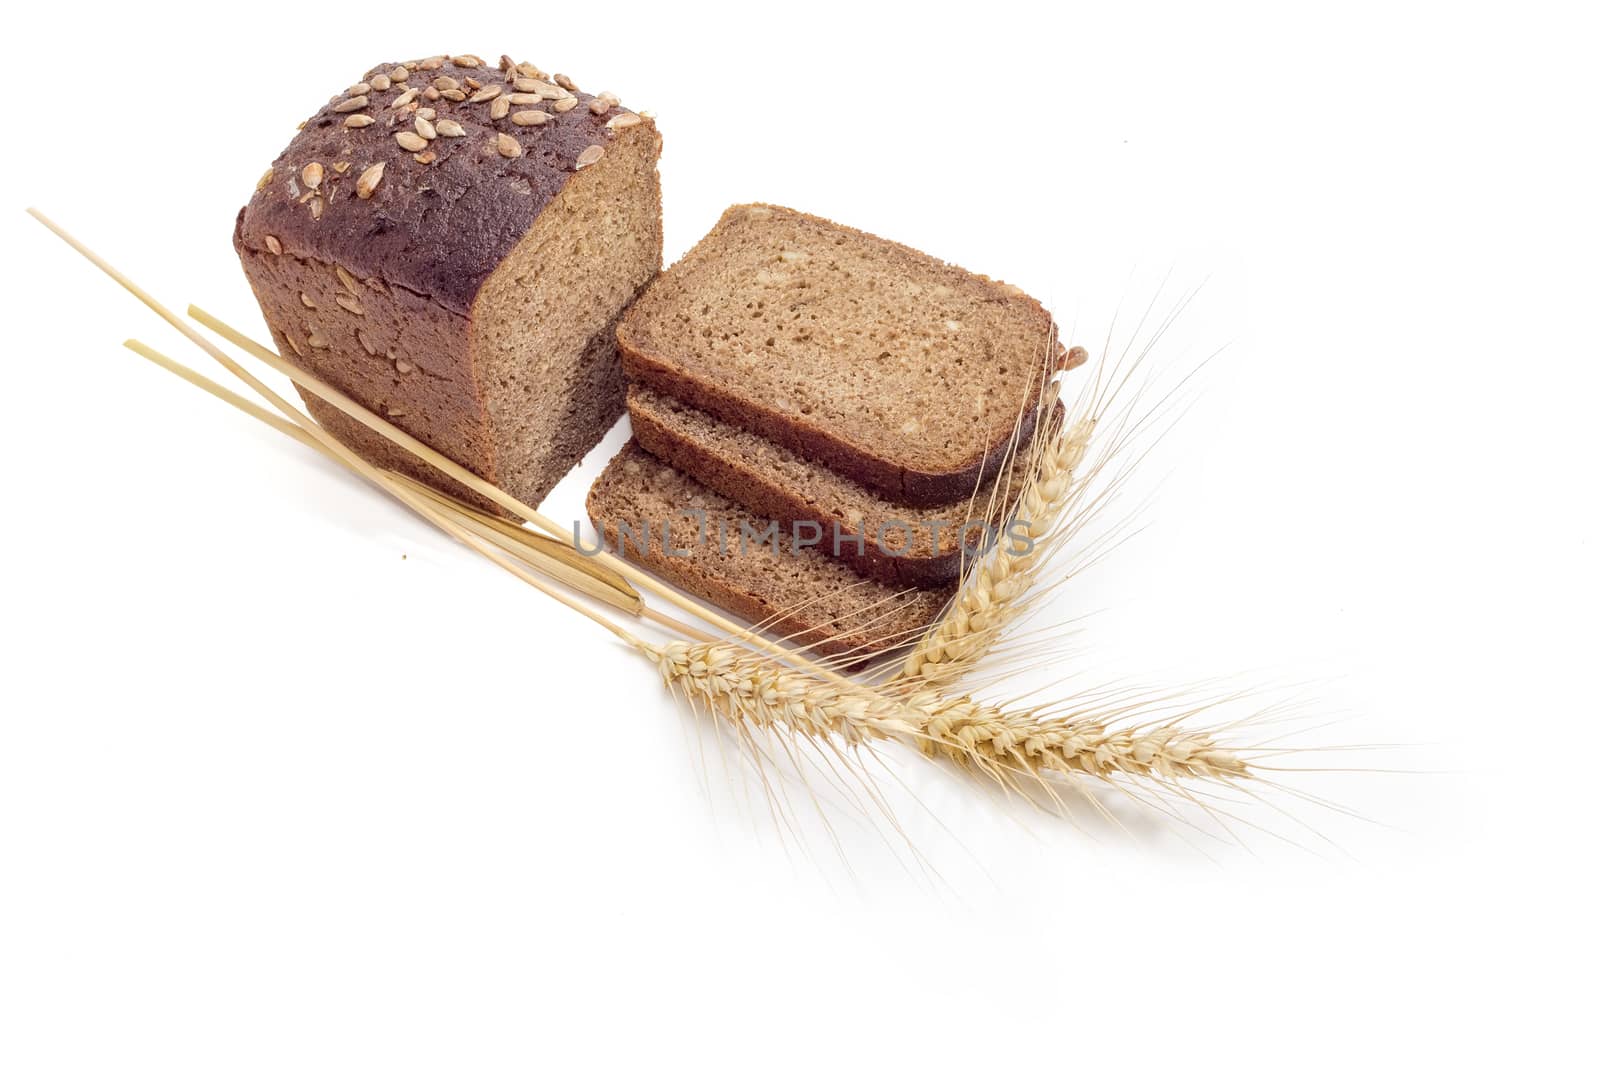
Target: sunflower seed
[(507, 146), (347, 280), (366, 343), (566, 83), (274, 245), (431, 63), (450, 128), (265, 180), (425, 157), (530, 118), (598, 106), (455, 95), (410, 141), (350, 304), (358, 89), (308, 302), (468, 61), (623, 120), (355, 122), (354, 103), (611, 98), (430, 93), (527, 85), (316, 209), (311, 174), (368, 182), (488, 92), (531, 70), (404, 366), (342, 166), (589, 157), (380, 82), (500, 108), (403, 99), (316, 340), (425, 129), (444, 81), (399, 74), (561, 107)]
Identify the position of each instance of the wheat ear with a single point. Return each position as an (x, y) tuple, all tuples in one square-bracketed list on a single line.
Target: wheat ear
[(749, 689), (995, 589)]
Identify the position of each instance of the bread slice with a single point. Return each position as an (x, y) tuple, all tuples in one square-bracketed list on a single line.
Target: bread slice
[(899, 544), (656, 515), (886, 365), (457, 273)]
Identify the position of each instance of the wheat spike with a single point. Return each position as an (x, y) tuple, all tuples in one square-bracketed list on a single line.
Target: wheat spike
[(749, 689), (995, 589)]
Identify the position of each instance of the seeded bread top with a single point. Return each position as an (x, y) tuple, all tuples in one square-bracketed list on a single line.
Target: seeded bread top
[(427, 173), (892, 367)]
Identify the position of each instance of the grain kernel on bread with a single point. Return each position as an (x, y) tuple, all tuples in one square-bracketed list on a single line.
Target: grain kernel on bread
[(831, 341), (476, 251)]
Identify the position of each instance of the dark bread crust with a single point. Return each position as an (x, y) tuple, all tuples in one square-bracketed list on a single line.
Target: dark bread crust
[(749, 585), (646, 363), (438, 229)]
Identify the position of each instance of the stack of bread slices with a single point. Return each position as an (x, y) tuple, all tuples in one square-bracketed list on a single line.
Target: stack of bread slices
[(823, 422)]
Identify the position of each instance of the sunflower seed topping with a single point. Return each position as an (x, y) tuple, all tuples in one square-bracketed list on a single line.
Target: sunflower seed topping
[(354, 103), (488, 92), (565, 105), (350, 304), (507, 146), (599, 106), (450, 128), (274, 245), (403, 99), (368, 182), (444, 81), (311, 174), (355, 122), (566, 83), (500, 108), (589, 157), (622, 120), (425, 129), (410, 141), (381, 82), (530, 118)]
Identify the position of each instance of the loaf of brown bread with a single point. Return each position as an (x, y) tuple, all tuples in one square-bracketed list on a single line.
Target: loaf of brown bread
[(718, 550), (451, 243), (890, 367)]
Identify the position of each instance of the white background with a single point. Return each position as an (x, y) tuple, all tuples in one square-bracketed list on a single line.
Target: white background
[(286, 778)]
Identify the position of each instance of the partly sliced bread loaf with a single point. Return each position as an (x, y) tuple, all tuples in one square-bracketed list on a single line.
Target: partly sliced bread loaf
[(891, 367), (899, 544), (704, 543), (459, 273)]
